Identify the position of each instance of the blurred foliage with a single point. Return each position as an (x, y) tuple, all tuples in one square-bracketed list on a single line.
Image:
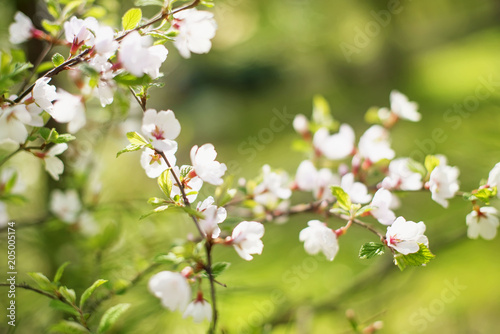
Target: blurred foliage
[(276, 55)]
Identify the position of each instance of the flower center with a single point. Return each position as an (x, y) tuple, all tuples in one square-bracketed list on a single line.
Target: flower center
[(157, 133)]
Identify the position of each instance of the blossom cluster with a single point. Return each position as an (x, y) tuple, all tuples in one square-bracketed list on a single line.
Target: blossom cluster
[(348, 176)]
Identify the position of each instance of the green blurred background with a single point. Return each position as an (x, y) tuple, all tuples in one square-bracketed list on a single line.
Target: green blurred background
[(275, 55)]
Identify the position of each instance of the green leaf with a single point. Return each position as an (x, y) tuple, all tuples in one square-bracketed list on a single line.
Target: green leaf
[(48, 134), (364, 209), (208, 3), (44, 67), (170, 258), (372, 117), (321, 114), (87, 293), (136, 139), (143, 3), (71, 7), (63, 138), (339, 211), (131, 18), (68, 294), (13, 68), (42, 281), (371, 249), (51, 136), (218, 268), (51, 27), (156, 210), (11, 182), (128, 79), (129, 148), (61, 306), (419, 258), (96, 12), (193, 212), (165, 182), (68, 327), (486, 194), (54, 8), (155, 201), (58, 59), (342, 198), (416, 167), (14, 199), (431, 162), (111, 316), (60, 271)]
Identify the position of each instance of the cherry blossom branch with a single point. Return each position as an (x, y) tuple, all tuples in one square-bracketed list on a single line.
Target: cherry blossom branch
[(80, 58), (208, 243), (26, 286), (159, 18), (315, 207), (55, 71)]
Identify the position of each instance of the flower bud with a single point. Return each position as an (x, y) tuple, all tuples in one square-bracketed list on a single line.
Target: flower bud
[(301, 124)]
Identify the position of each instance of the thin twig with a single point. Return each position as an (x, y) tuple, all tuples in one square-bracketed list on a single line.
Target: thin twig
[(29, 287)]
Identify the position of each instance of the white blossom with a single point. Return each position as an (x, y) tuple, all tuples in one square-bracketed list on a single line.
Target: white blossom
[(213, 217), (337, 146), (87, 224), (374, 144), (160, 126), (138, 56), (196, 28), (401, 177), (443, 183), (21, 29), (42, 96), (172, 289), (12, 124), (153, 162), (301, 124), (69, 109), (494, 178), (81, 32), (105, 43), (246, 239), (274, 187), (482, 222), (308, 178), (319, 238), (65, 205), (405, 236), (192, 185), (199, 310), (403, 108), (105, 86), (382, 201), (357, 191), (205, 166), (53, 165)]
